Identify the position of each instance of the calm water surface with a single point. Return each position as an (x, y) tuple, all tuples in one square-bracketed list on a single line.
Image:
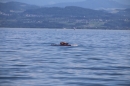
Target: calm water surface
[(102, 57)]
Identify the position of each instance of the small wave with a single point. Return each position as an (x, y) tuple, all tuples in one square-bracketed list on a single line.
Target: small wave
[(74, 45)]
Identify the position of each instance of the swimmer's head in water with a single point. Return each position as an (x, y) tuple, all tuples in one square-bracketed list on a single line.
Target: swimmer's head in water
[(63, 43)]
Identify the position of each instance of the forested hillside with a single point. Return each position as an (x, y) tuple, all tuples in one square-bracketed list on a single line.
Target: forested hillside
[(20, 15)]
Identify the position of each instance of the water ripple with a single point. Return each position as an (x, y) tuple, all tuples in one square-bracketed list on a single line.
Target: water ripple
[(102, 58)]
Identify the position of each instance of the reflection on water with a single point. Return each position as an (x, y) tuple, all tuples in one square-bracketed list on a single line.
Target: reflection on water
[(102, 58)]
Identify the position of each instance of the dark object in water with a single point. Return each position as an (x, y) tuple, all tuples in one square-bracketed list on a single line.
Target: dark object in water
[(64, 44), (61, 44)]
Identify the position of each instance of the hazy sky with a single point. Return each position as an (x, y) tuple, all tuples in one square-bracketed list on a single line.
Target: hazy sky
[(48, 2), (42, 2)]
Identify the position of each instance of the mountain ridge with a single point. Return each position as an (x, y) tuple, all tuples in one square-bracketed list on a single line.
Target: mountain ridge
[(93, 4), (16, 6)]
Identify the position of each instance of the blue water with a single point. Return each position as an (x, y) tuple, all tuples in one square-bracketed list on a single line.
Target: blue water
[(102, 57)]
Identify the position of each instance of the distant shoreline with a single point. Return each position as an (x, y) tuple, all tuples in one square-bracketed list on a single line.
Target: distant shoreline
[(59, 28)]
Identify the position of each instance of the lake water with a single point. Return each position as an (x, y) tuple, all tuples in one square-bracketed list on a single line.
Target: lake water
[(102, 57)]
